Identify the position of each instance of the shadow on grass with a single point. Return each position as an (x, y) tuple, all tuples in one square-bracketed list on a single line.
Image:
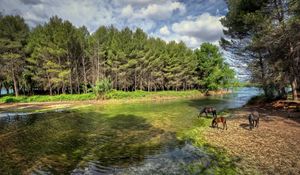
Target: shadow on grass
[(245, 126)]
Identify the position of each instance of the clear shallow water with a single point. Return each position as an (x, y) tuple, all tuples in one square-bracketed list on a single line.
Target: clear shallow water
[(3, 91), (137, 138)]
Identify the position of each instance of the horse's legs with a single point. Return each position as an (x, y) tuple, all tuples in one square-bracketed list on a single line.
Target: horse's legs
[(250, 124), (224, 125)]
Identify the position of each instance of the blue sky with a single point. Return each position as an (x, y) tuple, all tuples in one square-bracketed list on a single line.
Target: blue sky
[(190, 21)]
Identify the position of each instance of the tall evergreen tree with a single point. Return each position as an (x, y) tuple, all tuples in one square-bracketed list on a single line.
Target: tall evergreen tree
[(13, 35)]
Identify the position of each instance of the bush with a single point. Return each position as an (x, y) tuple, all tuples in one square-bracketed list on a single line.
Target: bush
[(103, 86)]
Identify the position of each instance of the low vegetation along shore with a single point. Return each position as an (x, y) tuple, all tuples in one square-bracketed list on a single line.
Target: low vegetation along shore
[(116, 95)]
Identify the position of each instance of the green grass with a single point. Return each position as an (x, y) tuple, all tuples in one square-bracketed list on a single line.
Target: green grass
[(114, 94), (47, 98), (139, 94)]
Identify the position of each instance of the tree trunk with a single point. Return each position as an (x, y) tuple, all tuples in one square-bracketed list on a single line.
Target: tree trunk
[(77, 78), (0, 88), (7, 89), (263, 75), (98, 62), (16, 88), (70, 77), (134, 79), (294, 88), (293, 77), (49, 84), (84, 75)]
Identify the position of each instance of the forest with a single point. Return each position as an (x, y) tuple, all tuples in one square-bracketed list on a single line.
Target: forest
[(264, 35), (59, 58)]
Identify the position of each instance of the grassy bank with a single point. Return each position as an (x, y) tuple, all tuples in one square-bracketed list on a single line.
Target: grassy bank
[(110, 95)]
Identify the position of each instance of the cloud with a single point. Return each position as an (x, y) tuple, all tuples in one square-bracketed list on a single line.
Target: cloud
[(205, 27), (92, 13), (161, 11), (32, 2), (164, 30), (177, 20), (127, 11), (154, 11)]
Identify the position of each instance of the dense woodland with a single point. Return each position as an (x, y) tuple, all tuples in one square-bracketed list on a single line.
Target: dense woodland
[(57, 57), (264, 35)]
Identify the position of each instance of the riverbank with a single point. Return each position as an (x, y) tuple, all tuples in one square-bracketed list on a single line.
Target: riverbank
[(46, 102), (273, 148)]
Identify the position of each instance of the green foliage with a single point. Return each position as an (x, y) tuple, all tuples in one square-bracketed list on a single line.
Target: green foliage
[(47, 98), (101, 87), (112, 94), (64, 59), (213, 72), (13, 35), (265, 37)]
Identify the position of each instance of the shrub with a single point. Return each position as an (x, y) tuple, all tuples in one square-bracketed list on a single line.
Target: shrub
[(102, 87)]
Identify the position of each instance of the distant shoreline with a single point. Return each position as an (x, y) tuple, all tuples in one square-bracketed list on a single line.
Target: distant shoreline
[(37, 103)]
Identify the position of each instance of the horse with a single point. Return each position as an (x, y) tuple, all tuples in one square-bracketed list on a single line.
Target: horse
[(217, 120), (207, 110), (253, 120)]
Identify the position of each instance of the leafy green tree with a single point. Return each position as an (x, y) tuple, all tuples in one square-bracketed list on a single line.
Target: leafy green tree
[(13, 35), (213, 73), (265, 38), (101, 87)]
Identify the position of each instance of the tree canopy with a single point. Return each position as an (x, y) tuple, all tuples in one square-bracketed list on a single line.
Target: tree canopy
[(58, 57), (264, 35)]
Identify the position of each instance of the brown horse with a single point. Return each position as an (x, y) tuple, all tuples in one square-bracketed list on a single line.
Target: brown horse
[(217, 120), (207, 110)]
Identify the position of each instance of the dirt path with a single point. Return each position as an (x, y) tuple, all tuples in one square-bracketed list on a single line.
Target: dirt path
[(273, 148)]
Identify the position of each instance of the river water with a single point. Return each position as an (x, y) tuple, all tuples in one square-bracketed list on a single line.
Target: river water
[(136, 138)]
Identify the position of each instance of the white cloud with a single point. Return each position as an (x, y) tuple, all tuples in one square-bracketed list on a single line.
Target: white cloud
[(91, 13), (161, 11), (205, 27), (154, 11), (127, 11), (164, 30), (145, 14)]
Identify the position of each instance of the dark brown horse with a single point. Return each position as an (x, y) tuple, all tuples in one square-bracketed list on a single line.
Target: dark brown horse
[(207, 110), (217, 120), (253, 119)]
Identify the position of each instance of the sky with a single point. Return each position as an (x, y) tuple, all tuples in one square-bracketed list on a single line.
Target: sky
[(190, 21)]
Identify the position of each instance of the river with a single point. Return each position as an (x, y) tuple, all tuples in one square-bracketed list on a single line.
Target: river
[(136, 138)]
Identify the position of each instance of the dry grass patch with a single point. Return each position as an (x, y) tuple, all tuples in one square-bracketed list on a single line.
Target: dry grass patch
[(273, 148)]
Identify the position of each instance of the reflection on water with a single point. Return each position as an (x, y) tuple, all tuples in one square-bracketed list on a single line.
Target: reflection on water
[(4, 91), (172, 161), (109, 139)]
